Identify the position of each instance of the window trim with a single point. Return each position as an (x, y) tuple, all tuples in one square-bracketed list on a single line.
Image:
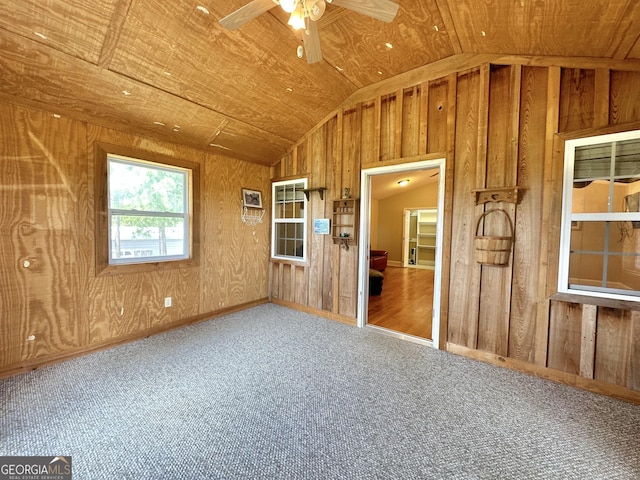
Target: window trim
[(570, 145), (101, 207), (303, 221)]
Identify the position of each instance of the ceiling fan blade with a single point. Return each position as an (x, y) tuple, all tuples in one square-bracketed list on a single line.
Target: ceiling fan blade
[(384, 10), (244, 14), (311, 43)]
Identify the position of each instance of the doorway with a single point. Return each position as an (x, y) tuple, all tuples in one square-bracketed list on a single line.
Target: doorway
[(429, 230)]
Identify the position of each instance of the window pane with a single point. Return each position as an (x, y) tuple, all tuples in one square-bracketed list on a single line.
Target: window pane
[(627, 197), (586, 269), (605, 254), (629, 274), (628, 158), (591, 198), (145, 188), (593, 236), (289, 238), (137, 236), (624, 278), (592, 161)]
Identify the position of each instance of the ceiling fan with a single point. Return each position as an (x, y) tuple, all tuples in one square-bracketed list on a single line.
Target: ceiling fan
[(305, 13)]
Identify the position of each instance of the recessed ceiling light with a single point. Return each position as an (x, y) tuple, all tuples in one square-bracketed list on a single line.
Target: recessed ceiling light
[(484, 34), (388, 45), (56, 115), (289, 89), (41, 35), (204, 10), (379, 72), (168, 74), (435, 27), (126, 93), (340, 69), (403, 183), (176, 128), (159, 123)]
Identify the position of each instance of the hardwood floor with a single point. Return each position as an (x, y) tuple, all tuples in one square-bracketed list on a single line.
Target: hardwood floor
[(406, 302)]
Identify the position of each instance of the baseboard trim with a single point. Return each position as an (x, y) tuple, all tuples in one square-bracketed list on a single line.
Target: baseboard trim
[(595, 386), (314, 311), (24, 367)]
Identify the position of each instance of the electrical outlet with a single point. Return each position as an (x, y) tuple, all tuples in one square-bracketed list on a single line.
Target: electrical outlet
[(167, 302)]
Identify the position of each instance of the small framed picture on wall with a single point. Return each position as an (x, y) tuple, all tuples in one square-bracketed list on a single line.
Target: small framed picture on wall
[(251, 198)]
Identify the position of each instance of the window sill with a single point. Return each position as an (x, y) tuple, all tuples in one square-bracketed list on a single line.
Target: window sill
[(598, 301), (289, 261), (122, 269)]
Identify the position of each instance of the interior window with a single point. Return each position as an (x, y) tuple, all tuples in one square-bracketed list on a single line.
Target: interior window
[(600, 243), (148, 211), (289, 219)]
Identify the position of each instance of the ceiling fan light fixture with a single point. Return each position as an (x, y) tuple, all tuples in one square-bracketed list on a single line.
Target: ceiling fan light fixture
[(296, 20), (315, 8), (289, 5)]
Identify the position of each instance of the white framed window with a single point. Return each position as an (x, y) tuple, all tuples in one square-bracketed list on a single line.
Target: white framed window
[(148, 211), (600, 231), (289, 219)]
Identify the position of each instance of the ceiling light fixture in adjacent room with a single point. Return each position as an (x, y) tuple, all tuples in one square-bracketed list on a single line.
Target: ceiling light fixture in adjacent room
[(404, 183)]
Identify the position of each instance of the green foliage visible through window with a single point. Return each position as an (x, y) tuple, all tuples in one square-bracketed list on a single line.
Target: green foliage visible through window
[(148, 211)]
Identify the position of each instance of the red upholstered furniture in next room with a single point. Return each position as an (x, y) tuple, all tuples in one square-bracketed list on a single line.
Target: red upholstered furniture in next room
[(378, 259)]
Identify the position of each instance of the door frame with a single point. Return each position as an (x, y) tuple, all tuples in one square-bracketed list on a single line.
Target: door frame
[(363, 249)]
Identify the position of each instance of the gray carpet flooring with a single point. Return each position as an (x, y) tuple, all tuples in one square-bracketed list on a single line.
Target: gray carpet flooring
[(272, 393)]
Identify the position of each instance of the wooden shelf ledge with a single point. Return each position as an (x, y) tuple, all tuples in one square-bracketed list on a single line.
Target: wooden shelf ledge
[(319, 189), (499, 194)]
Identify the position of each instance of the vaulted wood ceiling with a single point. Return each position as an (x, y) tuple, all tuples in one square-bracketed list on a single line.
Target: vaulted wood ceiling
[(190, 81)]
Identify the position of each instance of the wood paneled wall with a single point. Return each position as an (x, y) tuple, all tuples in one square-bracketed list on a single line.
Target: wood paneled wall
[(48, 285), (498, 125)]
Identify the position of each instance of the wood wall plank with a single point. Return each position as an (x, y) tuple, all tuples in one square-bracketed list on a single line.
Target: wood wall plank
[(410, 127), (624, 105), (369, 152), (423, 118), (317, 207), (464, 274), (601, 97), (495, 296), (438, 117), (388, 121), (397, 125), (613, 346), (526, 264), (588, 345), (634, 368), (576, 99), (565, 336), (452, 89), (550, 194)]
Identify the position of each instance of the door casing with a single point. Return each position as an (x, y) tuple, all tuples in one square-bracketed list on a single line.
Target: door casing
[(363, 249)]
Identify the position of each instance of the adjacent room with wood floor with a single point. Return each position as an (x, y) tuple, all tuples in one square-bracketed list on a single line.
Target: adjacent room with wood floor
[(320, 239)]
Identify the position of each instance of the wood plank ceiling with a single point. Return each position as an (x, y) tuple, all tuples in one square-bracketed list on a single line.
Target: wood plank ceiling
[(190, 81)]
